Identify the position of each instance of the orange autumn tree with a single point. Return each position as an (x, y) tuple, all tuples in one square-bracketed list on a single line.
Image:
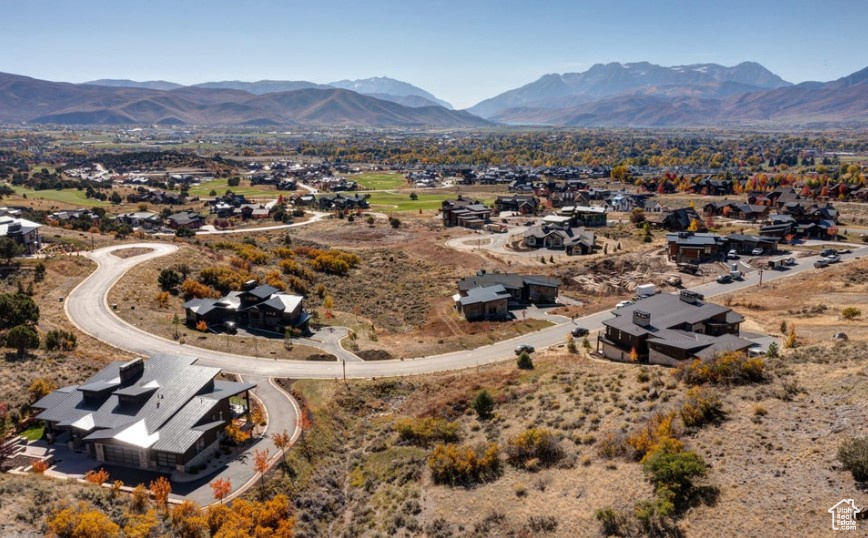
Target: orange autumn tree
[(97, 477), (141, 525), (282, 441), (81, 520), (202, 326), (160, 490), (221, 488), (188, 521), (39, 467), (260, 463), (270, 518), (235, 432)]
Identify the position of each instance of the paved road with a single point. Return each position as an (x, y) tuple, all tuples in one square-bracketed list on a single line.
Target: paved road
[(87, 308)]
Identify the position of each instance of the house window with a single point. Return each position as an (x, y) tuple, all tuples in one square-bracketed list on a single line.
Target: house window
[(166, 460)]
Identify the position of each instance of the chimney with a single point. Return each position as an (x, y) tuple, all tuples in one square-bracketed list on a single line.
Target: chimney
[(131, 371), (641, 318), (249, 285), (690, 297)]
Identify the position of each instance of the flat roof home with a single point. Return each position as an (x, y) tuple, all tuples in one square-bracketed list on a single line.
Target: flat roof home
[(166, 413), (667, 329)]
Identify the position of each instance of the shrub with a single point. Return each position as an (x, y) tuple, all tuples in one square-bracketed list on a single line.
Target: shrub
[(60, 339), (611, 446), (725, 369), (222, 278), (613, 523), (524, 361), (657, 434), (701, 407), (853, 455), (464, 465), (542, 524), (483, 404), (202, 326), (424, 431), (674, 472), (536, 443), (22, 337), (850, 313), (169, 280), (191, 288)]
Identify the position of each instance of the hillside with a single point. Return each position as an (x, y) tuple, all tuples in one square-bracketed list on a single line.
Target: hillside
[(392, 90), (24, 99)]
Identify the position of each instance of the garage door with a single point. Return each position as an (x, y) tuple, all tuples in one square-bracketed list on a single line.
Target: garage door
[(121, 455)]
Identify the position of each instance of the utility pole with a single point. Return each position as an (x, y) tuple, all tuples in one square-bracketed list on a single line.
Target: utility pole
[(344, 366), (761, 278)]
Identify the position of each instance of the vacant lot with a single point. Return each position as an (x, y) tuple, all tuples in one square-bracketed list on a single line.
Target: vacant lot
[(221, 186)]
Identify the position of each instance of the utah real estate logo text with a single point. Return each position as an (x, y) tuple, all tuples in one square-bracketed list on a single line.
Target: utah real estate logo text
[(844, 515)]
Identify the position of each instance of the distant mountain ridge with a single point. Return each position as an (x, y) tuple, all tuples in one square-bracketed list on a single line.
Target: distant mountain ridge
[(614, 79), (384, 88), (25, 99)]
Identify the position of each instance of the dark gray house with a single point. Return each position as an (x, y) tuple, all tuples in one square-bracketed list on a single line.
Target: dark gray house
[(667, 329), (258, 307), (166, 413), (522, 289)]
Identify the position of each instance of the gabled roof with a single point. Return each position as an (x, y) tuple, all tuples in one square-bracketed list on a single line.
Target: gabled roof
[(282, 302), (157, 409), (263, 291), (484, 295)]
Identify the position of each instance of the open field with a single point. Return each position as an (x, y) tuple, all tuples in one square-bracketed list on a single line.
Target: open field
[(379, 180), (73, 197), (221, 185), (393, 201)]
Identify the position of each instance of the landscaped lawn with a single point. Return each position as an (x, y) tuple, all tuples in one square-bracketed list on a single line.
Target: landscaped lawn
[(392, 201), (33, 433), (222, 185), (68, 196), (380, 180)]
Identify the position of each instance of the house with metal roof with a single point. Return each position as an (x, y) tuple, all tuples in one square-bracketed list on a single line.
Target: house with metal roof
[(257, 307), (695, 247), (483, 302), (667, 329), (553, 235), (522, 289), (464, 212), (166, 413)]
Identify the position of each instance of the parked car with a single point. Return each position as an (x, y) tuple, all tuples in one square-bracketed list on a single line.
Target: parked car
[(578, 332), (724, 279), (522, 348), (757, 252), (790, 261), (844, 251), (828, 252), (622, 304), (833, 258), (229, 327), (822, 262), (732, 255)]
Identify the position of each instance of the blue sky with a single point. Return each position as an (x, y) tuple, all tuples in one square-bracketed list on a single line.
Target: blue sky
[(460, 50)]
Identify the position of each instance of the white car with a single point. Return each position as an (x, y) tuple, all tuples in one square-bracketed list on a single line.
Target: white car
[(757, 252), (622, 304), (732, 255)]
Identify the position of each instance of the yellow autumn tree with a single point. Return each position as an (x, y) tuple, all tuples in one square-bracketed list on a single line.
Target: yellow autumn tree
[(81, 521)]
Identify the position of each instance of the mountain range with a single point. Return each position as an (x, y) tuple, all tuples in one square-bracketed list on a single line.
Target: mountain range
[(25, 99), (647, 95), (384, 88), (606, 95)]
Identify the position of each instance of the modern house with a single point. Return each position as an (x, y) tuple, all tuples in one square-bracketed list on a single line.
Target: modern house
[(680, 220), (745, 244), (585, 215), (483, 302), (258, 307), (141, 219), (690, 247), (185, 219), (667, 329), (522, 204), (22, 231), (465, 213), (522, 289), (573, 241), (165, 414)]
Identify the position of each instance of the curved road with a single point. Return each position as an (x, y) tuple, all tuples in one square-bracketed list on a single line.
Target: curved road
[(87, 308)]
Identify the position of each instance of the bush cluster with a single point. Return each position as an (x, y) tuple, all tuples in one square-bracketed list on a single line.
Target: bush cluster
[(424, 431), (725, 369), (464, 465), (540, 444)]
